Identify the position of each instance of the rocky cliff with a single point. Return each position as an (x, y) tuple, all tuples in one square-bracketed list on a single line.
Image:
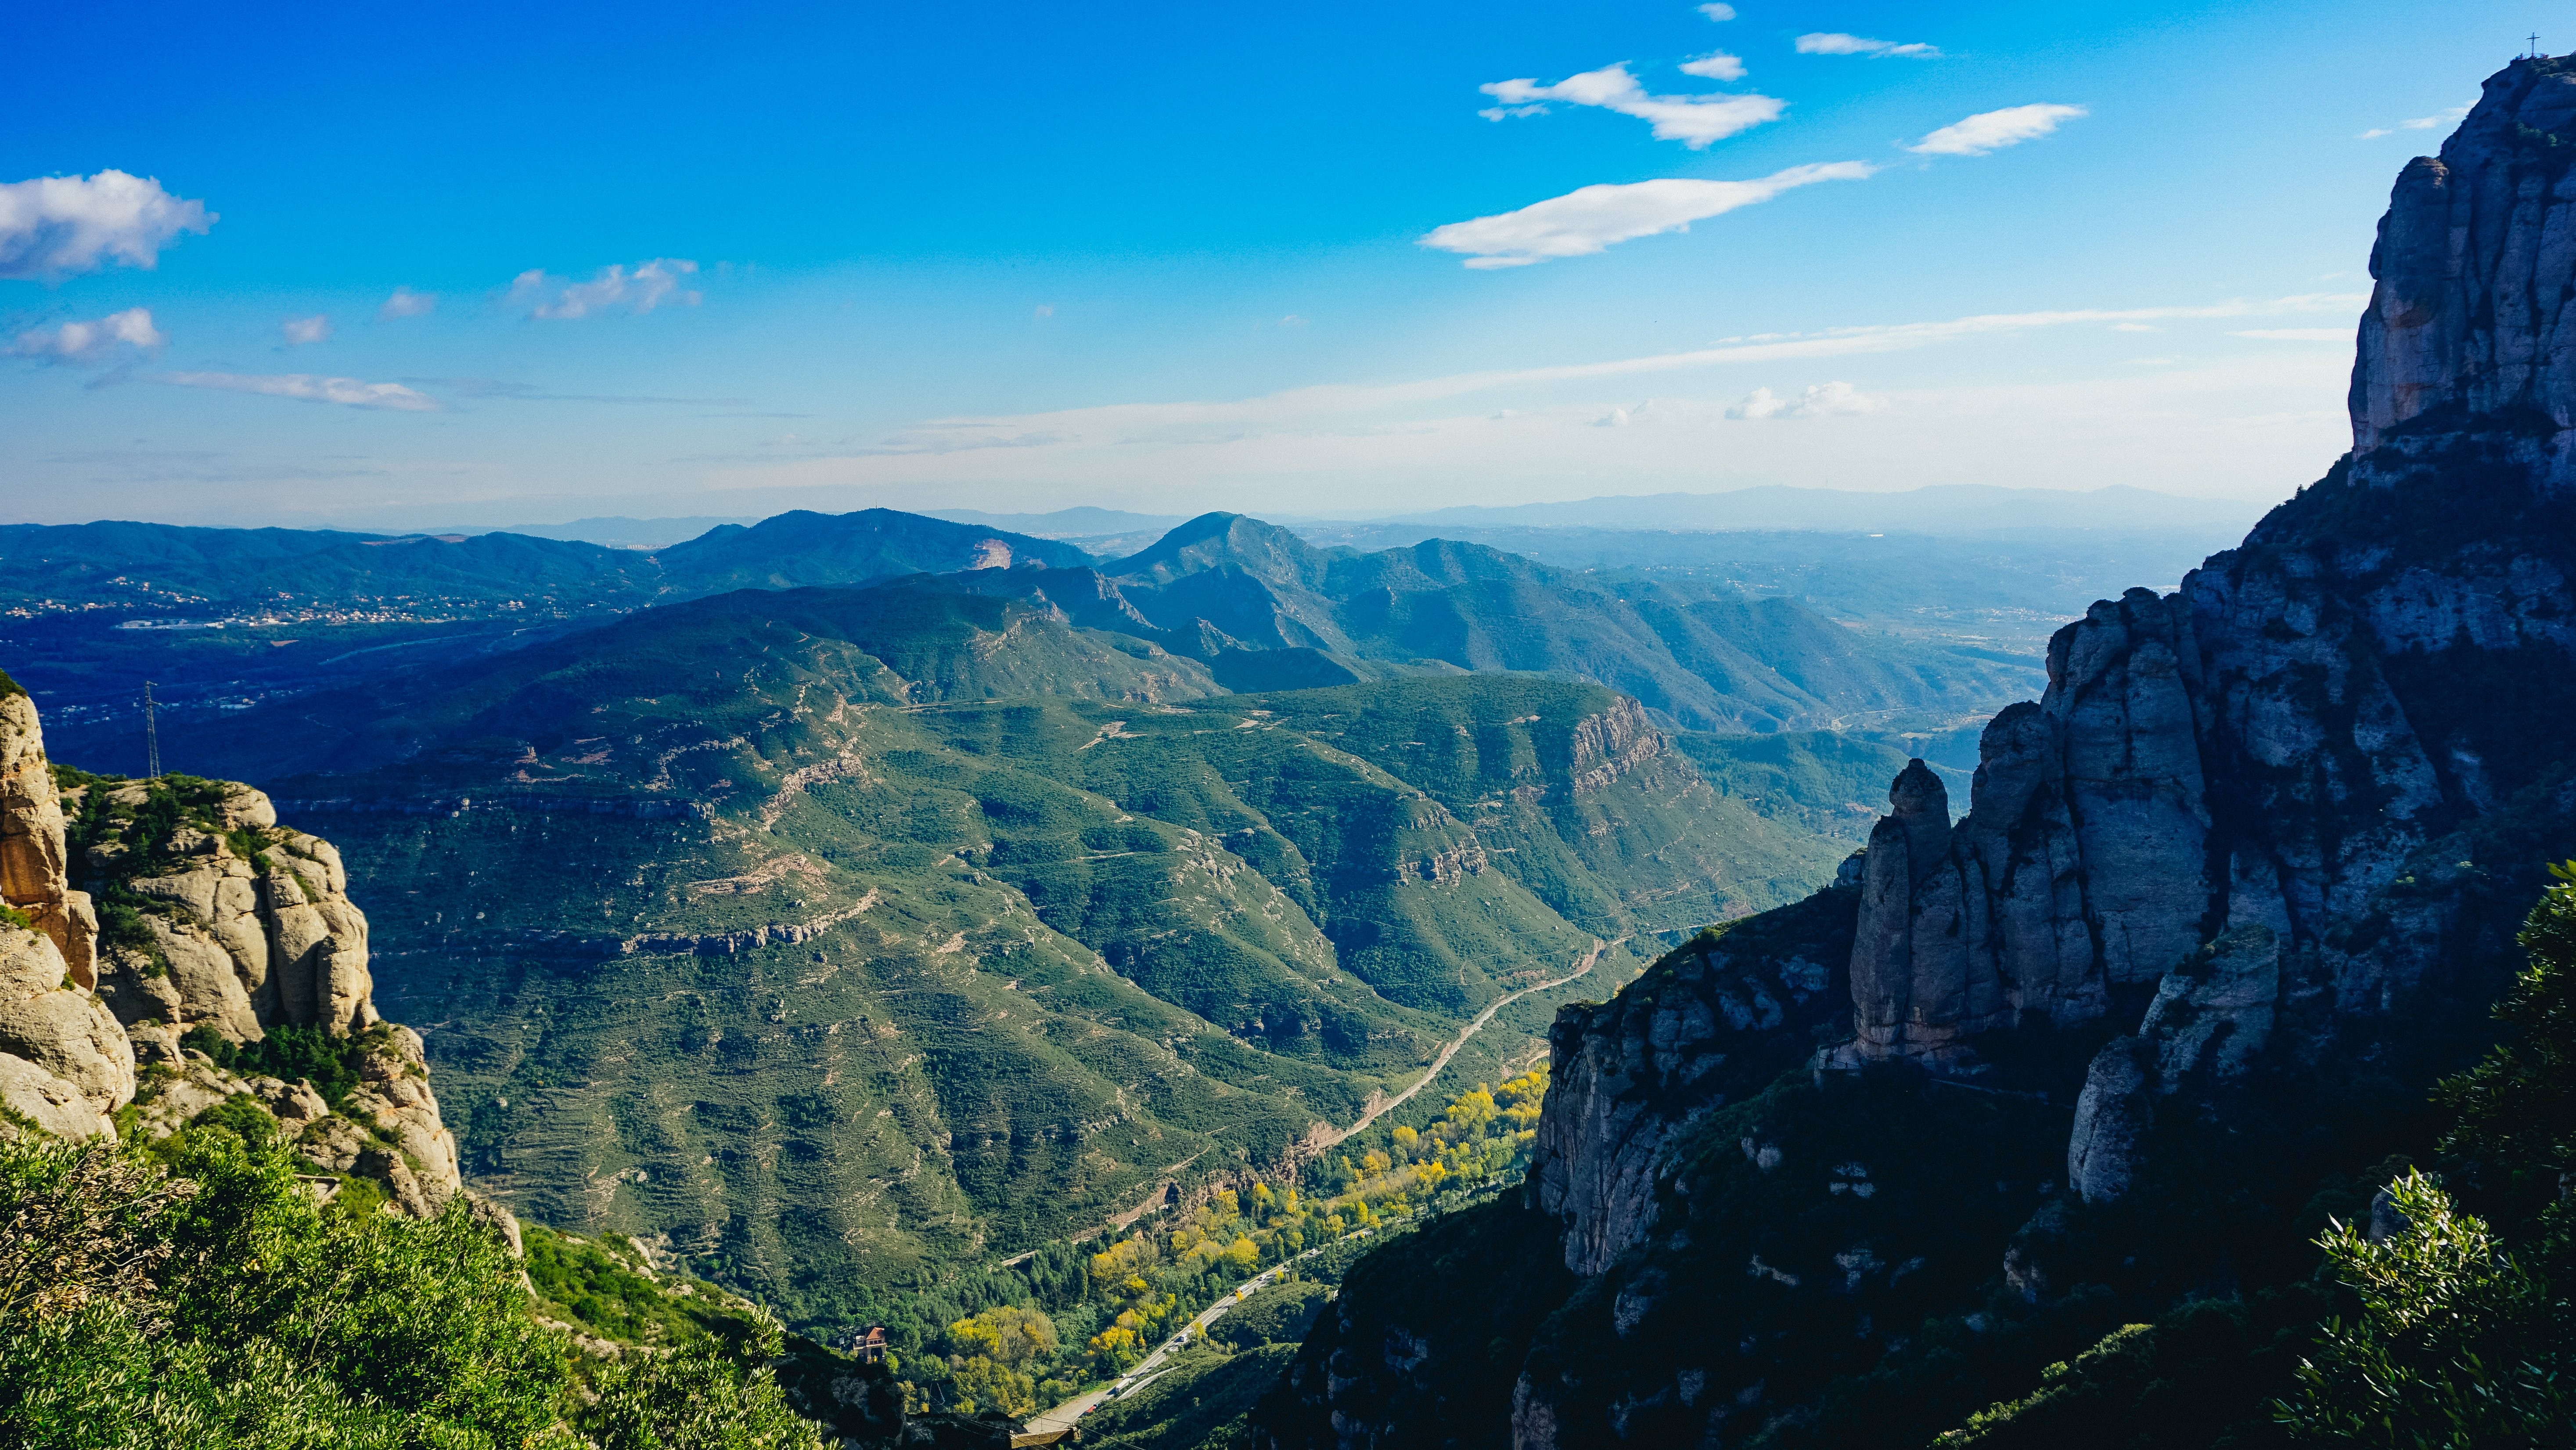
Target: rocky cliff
[(162, 989), (2225, 899), (2222, 786), (63, 1061)]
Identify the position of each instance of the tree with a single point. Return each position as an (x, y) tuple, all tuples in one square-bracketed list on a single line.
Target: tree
[(2459, 1343), (2464, 1340), (2519, 1105)]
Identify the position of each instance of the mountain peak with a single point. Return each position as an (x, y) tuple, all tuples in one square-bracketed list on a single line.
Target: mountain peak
[(1264, 550), (2465, 333)]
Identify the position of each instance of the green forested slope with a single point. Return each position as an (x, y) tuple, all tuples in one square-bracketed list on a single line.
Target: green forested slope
[(838, 940)]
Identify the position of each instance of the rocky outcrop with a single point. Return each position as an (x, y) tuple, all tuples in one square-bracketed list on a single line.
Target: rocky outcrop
[(2263, 841), (2079, 868), (1634, 1074), (1609, 745), (228, 923), (63, 1062), (2254, 759), (2470, 327), (242, 942)]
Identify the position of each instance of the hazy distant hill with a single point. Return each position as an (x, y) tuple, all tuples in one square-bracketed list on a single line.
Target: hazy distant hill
[(1959, 508), (1704, 655), (800, 548), (620, 532), (148, 568), (2005, 589)]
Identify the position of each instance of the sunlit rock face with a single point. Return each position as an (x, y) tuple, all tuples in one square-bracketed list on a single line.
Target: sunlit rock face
[(64, 1063)]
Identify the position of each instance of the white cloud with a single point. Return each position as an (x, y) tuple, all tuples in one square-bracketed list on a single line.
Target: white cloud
[(1718, 12), (1292, 320), (90, 342), (311, 388), (2135, 327), (2299, 334), (615, 289), (1993, 130), (1717, 65), (1694, 121), (407, 303), (2432, 122), (301, 330), (1832, 42), (57, 226), (1591, 218), (1824, 400), (1043, 310)]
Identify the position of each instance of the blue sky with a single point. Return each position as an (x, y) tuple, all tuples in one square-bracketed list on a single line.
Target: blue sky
[(1179, 257)]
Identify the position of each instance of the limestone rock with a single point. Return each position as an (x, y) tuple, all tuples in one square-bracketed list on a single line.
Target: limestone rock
[(63, 1061), (49, 1101), (2469, 321), (33, 875), (2111, 1117)]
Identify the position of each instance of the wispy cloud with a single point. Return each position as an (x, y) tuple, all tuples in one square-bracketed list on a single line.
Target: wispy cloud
[(1834, 42), (652, 284), (1695, 121), (301, 330), (1994, 130), (493, 389), (86, 343), (2298, 334), (407, 303), (1718, 12), (1591, 218), (60, 226), (1824, 400), (310, 388), (1717, 65), (1158, 422), (2433, 122)]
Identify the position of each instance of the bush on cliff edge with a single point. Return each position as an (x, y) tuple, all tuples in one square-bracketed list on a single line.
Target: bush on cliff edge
[(196, 1294)]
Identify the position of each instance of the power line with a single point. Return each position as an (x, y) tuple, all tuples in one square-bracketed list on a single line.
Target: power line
[(151, 735)]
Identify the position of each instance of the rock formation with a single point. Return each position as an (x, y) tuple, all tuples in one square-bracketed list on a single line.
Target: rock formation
[(227, 924), (2269, 834), (63, 1061), (2265, 750), (247, 943)]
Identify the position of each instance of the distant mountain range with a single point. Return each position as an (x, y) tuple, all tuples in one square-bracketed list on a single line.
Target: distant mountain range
[(1265, 609), (1963, 508), (1256, 604)]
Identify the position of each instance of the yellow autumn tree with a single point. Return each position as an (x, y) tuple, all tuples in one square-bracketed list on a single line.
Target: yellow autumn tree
[(1007, 1335)]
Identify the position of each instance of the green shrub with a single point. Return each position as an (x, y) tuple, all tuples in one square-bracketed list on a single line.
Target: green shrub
[(199, 1296), (289, 1052)]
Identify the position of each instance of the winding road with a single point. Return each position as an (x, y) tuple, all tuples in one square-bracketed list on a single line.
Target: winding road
[(1074, 1409), (1591, 958)]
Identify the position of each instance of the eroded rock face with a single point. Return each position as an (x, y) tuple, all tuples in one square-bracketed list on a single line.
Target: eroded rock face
[(2079, 868), (1634, 1074), (2222, 786), (2470, 323), (248, 948), (63, 1061), (251, 929)]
